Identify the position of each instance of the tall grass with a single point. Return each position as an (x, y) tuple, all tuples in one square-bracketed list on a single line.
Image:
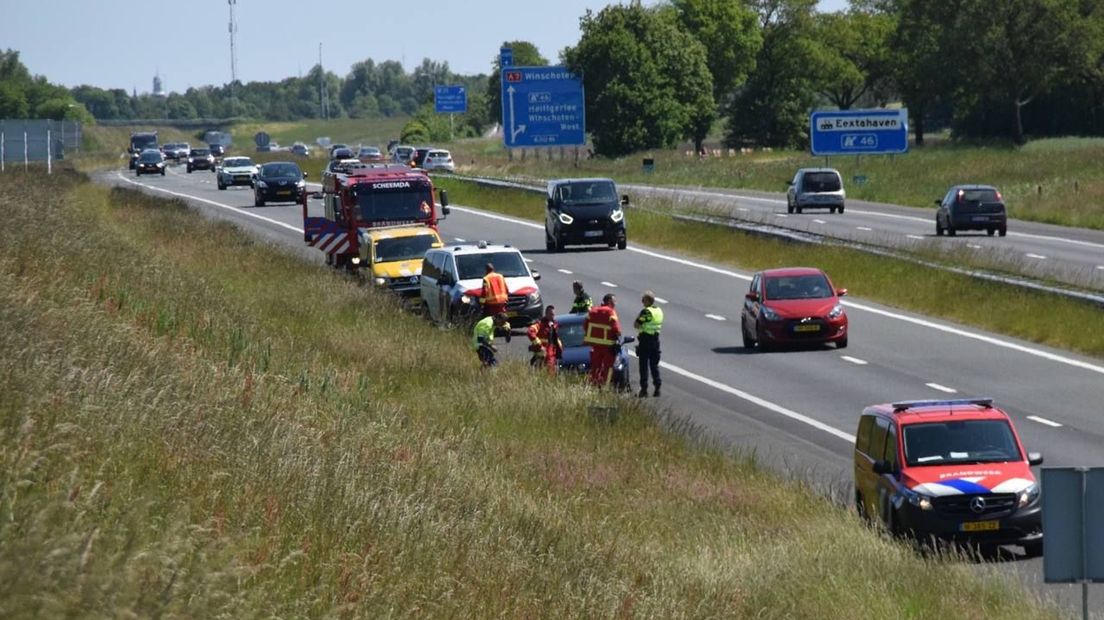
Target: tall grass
[(1040, 317), (195, 424)]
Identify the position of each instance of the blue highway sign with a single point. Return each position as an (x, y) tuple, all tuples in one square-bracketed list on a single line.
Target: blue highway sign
[(542, 106), (450, 99), (859, 132), (506, 57)]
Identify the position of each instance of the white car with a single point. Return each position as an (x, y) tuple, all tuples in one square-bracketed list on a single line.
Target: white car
[(438, 159), (236, 171), (452, 280)]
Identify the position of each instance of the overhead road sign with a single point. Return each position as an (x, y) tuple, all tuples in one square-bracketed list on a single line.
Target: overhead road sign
[(450, 99), (542, 106), (859, 132)]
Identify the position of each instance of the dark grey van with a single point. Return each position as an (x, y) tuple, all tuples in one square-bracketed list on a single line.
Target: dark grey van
[(584, 212)]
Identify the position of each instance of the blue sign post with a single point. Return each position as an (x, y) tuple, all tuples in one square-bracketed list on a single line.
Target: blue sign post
[(506, 57), (859, 132), (450, 99), (542, 106)]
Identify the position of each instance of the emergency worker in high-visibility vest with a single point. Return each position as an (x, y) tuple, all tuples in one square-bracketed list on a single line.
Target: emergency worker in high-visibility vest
[(602, 330), (648, 324), (582, 303), (544, 341), (495, 293), (483, 338)]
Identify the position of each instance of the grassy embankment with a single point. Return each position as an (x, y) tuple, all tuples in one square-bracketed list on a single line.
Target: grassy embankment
[(1039, 317), (195, 424), (1058, 181)]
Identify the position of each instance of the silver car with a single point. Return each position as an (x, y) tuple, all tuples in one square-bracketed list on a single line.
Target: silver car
[(816, 188), (439, 159)]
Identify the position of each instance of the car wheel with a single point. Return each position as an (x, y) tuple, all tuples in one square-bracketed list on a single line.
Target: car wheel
[(1003, 231), (258, 201), (789, 208), (762, 343), (221, 186), (749, 342), (797, 209), (832, 210), (841, 209), (991, 231), (938, 228), (189, 169), (162, 172), (549, 242), (1033, 549), (622, 243), (841, 343), (951, 231)]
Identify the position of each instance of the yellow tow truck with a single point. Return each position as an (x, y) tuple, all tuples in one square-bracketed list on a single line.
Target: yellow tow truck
[(392, 256)]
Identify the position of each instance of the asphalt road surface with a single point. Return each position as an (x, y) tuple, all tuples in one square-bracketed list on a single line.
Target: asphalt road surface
[(796, 409)]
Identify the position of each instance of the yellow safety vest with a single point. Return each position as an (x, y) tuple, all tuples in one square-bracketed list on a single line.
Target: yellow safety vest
[(653, 321)]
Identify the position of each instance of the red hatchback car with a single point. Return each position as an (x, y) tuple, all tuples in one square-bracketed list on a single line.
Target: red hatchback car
[(792, 306)]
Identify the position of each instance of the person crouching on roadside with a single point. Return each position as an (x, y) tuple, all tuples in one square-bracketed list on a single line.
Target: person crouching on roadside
[(483, 338)]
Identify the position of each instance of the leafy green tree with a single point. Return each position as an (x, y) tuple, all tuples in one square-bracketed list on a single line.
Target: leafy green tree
[(772, 108), (525, 55), (178, 107), (414, 132), (13, 102), (921, 60), (428, 75), (646, 81), (852, 56), (729, 31)]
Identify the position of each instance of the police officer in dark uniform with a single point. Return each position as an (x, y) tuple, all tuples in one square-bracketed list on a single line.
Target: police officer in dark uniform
[(648, 324), (582, 302)]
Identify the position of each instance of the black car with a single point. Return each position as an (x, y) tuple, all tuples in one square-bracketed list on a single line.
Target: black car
[(584, 212), (278, 181), (419, 156), (342, 153), (201, 159), (971, 207), (150, 161), (217, 149), (139, 142)]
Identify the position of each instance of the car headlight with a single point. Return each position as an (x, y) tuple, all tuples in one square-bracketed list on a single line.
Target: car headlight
[(836, 312), (566, 219), (355, 260), (769, 315), (533, 298), (300, 184), (1029, 495), (191, 161), (617, 215), (467, 299), (262, 185), (380, 281), (921, 501)]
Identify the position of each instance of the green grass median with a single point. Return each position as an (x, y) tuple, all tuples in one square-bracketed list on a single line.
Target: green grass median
[(194, 423)]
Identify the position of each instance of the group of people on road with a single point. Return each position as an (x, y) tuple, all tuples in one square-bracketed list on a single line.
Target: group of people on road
[(601, 329)]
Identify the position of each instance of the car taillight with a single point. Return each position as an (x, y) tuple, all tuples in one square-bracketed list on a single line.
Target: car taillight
[(999, 198)]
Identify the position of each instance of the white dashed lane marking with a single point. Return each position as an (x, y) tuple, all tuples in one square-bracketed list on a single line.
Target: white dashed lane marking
[(820, 221), (941, 388), (567, 271), (715, 317), (528, 260), (1050, 423), (660, 300), (866, 228), (1100, 267), (973, 246), (1036, 256), (853, 360), (780, 215), (915, 237), (459, 240), (609, 284)]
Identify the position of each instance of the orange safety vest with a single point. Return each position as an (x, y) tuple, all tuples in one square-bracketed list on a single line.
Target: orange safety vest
[(601, 327), (494, 289)]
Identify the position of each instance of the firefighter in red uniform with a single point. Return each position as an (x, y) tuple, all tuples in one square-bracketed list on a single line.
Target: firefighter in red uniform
[(544, 341), (495, 293), (601, 330)]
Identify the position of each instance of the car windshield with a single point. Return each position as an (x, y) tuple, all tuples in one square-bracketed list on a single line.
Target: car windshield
[(403, 248), (571, 335), (811, 286), (438, 154), (586, 192), (236, 162), (143, 142), (822, 182), (472, 266), (280, 170), (150, 157), (200, 152), (960, 441), (394, 201), (367, 151)]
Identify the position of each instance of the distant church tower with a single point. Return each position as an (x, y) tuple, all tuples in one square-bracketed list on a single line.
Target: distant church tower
[(158, 90)]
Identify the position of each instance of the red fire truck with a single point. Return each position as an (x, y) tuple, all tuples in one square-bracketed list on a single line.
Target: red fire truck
[(357, 197)]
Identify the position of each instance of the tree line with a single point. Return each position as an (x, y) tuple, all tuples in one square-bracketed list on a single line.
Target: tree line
[(656, 76)]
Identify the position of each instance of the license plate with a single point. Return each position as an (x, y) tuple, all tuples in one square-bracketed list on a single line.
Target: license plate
[(284, 192), (981, 218), (980, 526), (593, 233), (807, 328)]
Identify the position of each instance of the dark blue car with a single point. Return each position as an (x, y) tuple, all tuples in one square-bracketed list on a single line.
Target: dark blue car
[(576, 355)]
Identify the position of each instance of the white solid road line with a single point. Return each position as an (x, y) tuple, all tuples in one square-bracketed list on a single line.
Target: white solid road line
[(715, 317), (1038, 256), (941, 388), (1050, 423), (609, 284), (853, 360), (566, 271), (765, 404)]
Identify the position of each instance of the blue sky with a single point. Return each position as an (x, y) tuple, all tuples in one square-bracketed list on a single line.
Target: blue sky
[(122, 43)]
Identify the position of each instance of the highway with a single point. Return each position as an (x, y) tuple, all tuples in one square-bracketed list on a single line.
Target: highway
[(1064, 254), (797, 409)]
